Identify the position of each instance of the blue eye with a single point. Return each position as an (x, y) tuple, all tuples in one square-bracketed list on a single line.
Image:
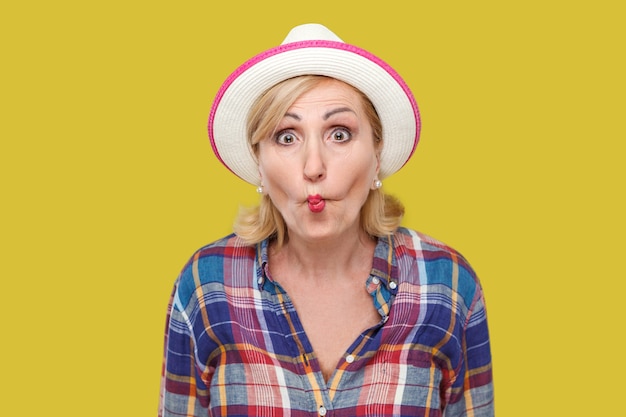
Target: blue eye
[(285, 138), (341, 135)]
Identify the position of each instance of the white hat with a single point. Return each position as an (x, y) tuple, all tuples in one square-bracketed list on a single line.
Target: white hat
[(313, 49)]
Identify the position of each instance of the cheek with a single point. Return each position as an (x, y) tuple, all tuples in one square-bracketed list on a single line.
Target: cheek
[(277, 178), (267, 165), (364, 171)]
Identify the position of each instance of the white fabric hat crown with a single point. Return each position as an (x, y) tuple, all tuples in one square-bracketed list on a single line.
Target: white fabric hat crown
[(313, 49)]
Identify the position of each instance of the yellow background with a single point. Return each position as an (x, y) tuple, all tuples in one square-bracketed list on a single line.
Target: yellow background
[(109, 184)]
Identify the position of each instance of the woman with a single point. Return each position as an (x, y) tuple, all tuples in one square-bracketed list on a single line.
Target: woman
[(320, 303)]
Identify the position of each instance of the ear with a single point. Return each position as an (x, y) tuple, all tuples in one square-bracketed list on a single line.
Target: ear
[(376, 182), (377, 162), (259, 188)]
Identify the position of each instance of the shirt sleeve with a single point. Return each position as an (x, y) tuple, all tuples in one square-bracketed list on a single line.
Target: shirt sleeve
[(183, 393), (474, 393)]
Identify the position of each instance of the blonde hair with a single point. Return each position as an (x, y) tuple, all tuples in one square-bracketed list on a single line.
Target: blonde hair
[(381, 214)]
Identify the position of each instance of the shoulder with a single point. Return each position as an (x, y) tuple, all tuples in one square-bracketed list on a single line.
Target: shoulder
[(218, 263), (428, 261), (411, 242), (222, 252)]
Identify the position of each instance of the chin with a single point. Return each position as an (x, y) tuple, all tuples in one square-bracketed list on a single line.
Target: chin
[(321, 230)]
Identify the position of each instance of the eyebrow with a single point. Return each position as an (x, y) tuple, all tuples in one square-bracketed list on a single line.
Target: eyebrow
[(293, 116), (335, 111), (326, 116)]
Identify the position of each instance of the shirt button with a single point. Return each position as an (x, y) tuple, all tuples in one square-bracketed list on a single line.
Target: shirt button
[(259, 281), (350, 358), (375, 281), (393, 285), (322, 410)]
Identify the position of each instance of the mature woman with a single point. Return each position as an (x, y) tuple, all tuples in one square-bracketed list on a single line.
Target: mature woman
[(320, 303)]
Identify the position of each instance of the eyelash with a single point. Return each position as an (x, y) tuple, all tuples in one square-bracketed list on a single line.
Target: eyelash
[(284, 133), (343, 130)]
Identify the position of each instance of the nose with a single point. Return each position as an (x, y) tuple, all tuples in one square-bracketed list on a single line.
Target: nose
[(314, 161)]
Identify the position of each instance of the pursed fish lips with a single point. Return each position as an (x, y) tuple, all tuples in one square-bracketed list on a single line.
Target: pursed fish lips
[(316, 203)]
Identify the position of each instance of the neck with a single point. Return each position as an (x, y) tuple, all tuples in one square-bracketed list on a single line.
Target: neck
[(329, 258)]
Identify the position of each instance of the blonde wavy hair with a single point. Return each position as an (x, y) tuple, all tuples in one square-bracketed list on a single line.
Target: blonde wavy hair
[(380, 215)]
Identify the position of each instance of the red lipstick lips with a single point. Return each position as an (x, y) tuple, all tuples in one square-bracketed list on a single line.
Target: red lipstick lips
[(316, 203)]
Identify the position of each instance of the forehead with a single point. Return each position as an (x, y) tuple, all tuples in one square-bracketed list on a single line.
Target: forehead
[(328, 92)]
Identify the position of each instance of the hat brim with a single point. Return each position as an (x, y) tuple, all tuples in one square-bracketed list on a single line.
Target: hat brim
[(387, 91)]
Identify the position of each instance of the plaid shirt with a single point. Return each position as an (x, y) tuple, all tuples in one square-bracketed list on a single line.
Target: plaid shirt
[(234, 344)]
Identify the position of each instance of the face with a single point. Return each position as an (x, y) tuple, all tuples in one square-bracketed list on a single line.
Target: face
[(321, 163)]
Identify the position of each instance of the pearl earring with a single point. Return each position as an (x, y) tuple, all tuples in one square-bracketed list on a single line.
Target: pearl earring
[(259, 189), (378, 183)]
